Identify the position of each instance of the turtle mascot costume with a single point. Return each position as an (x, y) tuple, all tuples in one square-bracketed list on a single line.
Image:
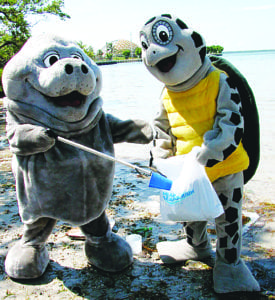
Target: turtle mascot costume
[(205, 102), (52, 84)]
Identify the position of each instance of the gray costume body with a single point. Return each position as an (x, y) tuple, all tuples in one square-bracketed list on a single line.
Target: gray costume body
[(63, 182), (52, 84)]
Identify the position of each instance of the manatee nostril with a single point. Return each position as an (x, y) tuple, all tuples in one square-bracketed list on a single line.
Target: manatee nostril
[(69, 69), (84, 69)]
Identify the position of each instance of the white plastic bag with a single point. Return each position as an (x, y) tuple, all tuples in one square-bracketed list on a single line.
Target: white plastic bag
[(192, 196)]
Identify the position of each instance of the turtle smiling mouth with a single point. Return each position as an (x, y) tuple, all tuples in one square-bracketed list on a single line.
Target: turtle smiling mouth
[(166, 64), (74, 99)]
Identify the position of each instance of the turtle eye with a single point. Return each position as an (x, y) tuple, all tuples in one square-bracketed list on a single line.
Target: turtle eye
[(50, 58), (162, 32), (144, 42)]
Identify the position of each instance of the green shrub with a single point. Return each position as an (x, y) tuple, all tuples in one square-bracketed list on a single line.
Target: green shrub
[(126, 53)]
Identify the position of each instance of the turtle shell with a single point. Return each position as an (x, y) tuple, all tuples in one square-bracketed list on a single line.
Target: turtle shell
[(251, 136)]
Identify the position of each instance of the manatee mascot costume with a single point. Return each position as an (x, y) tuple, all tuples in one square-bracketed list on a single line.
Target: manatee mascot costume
[(206, 104), (52, 84)]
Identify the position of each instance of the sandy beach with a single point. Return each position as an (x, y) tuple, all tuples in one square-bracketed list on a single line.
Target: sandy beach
[(134, 208)]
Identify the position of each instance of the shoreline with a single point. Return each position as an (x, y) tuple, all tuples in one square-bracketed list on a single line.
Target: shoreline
[(112, 62), (249, 51)]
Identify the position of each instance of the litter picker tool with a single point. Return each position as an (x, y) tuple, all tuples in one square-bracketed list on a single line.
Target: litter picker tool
[(156, 180)]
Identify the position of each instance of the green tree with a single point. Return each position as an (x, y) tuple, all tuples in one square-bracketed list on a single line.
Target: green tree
[(109, 51), (87, 49), (138, 52), (110, 47), (214, 49), (126, 53), (99, 53), (109, 55), (15, 27)]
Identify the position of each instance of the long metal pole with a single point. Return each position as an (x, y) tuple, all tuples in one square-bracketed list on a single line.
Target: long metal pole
[(103, 155)]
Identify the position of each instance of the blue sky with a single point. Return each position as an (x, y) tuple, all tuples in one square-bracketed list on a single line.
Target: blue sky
[(235, 24)]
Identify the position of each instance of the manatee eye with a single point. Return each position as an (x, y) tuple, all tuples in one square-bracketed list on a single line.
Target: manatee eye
[(77, 55), (50, 58), (144, 42), (162, 32)]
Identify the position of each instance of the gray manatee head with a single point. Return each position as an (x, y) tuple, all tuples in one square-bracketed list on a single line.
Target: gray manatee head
[(55, 75)]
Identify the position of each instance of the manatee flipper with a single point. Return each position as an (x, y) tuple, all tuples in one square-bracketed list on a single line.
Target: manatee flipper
[(251, 136)]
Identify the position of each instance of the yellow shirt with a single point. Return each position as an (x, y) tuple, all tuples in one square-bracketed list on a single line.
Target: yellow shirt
[(191, 114)]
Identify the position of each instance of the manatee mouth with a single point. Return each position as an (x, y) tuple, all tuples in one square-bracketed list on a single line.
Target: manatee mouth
[(166, 64), (74, 99)]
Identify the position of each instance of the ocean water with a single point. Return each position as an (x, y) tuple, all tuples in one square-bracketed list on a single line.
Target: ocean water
[(130, 91)]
